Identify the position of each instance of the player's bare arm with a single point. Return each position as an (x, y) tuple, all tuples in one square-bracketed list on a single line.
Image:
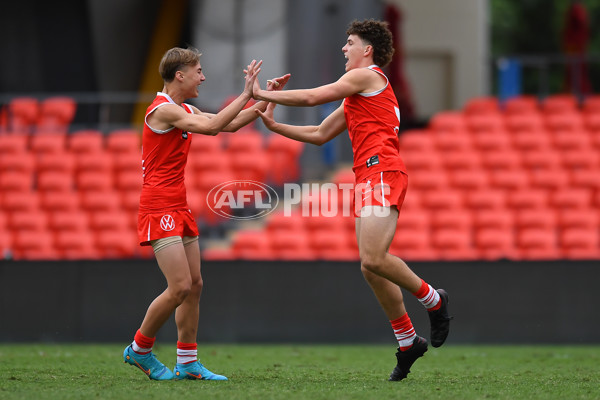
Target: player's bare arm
[(360, 80), (248, 115), (331, 126), (173, 115)]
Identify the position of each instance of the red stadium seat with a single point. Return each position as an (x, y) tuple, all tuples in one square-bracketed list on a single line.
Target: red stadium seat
[(495, 243), (454, 244), (474, 179), (56, 114), (527, 199), (52, 142), (246, 141), (278, 222), (485, 123), (461, 160), (115, 220), (117, 243), (217, 254), (449, 199), (55, 162), (413, 245), (130, 201), (448, 121), (284, 159), (449, 219), (292, 246), (452, 141), (76, 245), (531, 140), (130, 161), (51, 201), (22, 163), (55, 181), (501, 160), (560, 103), (30, 220), (564, 122), (429, 160), (571, 140), (425, 180), (94, 181), (15, 181), (86, 141), (482, 105), (417, 140), (538, 244), (123, 141), (250, 166), (581, 159), (541, 159), (13, 144), (585, 219), (586, 179), (34, 245), (72, 221), (129, 180), (99, 161), (252, 245), (23, 113), (500, 219), (522, 104), (549, 179), (571, 199), (544, 219), (581, 243), (418, 220), (523, 123), (490, 142), (20, 201), (98, 200), (509, 179), (485, 198)]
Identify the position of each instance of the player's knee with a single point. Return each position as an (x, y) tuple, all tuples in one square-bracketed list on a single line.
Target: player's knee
[(371, 262), (197, 285), (181, 290)]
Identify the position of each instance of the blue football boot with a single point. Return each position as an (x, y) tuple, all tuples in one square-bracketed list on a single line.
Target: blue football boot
[(147, 363), (195, 370)]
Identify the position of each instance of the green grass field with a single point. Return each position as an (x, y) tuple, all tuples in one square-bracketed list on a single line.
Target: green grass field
[(312, 372)]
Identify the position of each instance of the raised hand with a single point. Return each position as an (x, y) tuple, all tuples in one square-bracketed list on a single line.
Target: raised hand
[(277, 83), (267, 115), (251, 74)]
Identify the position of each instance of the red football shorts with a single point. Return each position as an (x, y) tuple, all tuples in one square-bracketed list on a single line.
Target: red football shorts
[(158, 225), (386, 189)]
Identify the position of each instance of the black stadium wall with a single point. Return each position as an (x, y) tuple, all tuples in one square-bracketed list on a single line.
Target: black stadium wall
[(299, 302)]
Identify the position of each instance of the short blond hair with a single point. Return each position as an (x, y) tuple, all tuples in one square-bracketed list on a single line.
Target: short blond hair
[(175, 59)]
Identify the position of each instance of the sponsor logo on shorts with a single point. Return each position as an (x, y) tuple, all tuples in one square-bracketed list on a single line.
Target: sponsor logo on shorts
[(167, 223)]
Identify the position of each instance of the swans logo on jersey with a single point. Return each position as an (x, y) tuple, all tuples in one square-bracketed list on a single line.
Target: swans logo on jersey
[(184, 135), (242, 200), (167, 223)]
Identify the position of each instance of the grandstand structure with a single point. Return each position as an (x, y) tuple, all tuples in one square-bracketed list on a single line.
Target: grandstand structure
[(518, 180)]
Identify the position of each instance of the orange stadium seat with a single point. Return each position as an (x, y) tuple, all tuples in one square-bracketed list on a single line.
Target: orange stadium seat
[(85, 141)]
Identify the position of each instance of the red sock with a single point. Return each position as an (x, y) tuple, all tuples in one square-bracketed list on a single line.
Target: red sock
[(142, 344), (428, 296), (404, 331)]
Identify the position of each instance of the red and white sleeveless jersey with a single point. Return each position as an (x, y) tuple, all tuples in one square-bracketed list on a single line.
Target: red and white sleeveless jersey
[(164, 156), (373, 121)]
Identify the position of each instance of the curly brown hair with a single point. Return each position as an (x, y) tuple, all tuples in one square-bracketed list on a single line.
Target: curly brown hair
[(175, 59), (377, 34)]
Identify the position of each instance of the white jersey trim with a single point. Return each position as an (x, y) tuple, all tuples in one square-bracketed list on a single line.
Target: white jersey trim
[(163, 131), (375, 93)]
